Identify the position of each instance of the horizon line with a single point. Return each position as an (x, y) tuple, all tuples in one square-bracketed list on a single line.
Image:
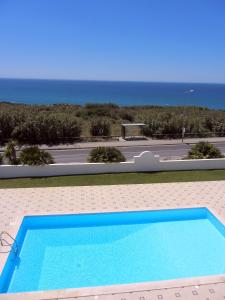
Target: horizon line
[(112, 80)]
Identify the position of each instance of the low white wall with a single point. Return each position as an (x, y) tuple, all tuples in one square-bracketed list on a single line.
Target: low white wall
[(145, 162)]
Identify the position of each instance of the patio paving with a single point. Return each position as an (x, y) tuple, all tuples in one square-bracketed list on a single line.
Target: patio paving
[(15, 203)]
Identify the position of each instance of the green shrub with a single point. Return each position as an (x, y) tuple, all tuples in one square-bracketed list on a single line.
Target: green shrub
[(106, 154), (100, 128), (61, 123), (10, 152), (47, 129), (204, 150), (1, 159), (127, 116), (33, 156), (100, 110)]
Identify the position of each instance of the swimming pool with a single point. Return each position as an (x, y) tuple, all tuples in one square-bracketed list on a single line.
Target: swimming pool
[(73, 251)]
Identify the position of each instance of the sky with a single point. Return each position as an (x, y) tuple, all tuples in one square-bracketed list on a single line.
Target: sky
[(138, 40)]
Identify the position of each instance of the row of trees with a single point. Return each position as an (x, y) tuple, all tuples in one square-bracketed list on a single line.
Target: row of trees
[(53, 124), (170, 125), (38, 129), (51, 129)]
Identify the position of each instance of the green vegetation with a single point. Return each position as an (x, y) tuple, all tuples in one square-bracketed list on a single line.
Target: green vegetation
[(100, 128), (31, 124), (204, 150), (10, 153), (65, 123), (1, 159), (110, 179), (33, 156), (106, 155)]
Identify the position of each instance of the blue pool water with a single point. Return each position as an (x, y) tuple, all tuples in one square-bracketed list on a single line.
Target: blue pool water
[(72, 251)]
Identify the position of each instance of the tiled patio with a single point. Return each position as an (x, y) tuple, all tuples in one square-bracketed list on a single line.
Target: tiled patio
[(15, 203), (203, 292)]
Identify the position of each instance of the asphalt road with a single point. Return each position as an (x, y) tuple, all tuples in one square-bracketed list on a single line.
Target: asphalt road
[(164, 151)]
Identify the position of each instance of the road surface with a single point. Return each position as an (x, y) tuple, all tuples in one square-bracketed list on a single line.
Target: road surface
[(164, 151), (176, 151)]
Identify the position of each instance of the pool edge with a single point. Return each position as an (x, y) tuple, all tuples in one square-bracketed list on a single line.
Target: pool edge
[(121, 288)]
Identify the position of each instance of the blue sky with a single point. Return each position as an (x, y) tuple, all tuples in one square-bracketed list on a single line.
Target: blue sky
[(150, 40)]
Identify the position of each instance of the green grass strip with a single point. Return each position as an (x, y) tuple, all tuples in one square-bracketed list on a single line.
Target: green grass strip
[(112, 179)]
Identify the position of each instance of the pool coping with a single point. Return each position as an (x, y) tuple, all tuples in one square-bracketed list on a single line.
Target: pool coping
[(115, 289), (14, 226)]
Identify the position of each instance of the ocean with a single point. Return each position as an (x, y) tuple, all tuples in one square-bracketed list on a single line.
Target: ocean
[(33, 91)]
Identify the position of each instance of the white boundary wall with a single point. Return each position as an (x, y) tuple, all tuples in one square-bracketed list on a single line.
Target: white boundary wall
[(145, 162)]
